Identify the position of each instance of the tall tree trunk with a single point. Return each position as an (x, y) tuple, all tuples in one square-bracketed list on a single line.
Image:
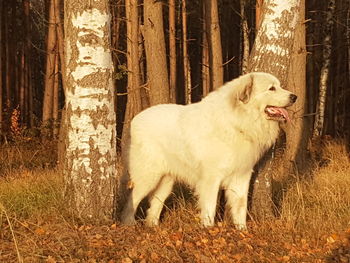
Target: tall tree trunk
[(51, 51), (157, 69), (172, 51), (55, 99), (22, 83), (133, 105), (347, 119), (327, 51), (214, 42), (1, 65), (297, 135), (10, 57), (115, 10), (258, 9), (186, 62), (271, 53), (62, 133), (60, 39), (245, 37), (205, 58), (144, 92), (90, 167)]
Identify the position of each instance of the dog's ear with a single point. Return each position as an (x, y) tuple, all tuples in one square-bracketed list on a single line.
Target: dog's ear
[(247, 83)]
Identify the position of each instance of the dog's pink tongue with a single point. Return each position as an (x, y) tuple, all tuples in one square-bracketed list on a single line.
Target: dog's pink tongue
[(281, 111)]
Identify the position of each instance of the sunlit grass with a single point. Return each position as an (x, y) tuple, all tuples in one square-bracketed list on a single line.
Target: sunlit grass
[(31, 193), (321, 203)]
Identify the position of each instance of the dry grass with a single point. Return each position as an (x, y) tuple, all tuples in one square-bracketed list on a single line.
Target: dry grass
[(34, 227), (320, 204)]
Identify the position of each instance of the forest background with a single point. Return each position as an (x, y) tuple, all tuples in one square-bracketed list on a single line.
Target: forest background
[(314, 211)]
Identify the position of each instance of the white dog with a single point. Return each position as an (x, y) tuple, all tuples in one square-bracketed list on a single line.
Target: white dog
[(209, 145)]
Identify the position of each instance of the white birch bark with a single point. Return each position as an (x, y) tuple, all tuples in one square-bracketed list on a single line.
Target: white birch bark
[(90, 167), (327, 51), (274, 40)]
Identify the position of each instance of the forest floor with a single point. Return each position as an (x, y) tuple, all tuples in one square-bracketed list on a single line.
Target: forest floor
[(313, 225)]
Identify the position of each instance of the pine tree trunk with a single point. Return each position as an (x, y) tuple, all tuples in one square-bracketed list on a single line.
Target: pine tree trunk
[(214, 42), (10, 54), (205, 58), (25, 81), (245, 37), (90, 166), (51, 45), (60, 37), (258, 8), (271, 53), (1, 65), (22, 84), (133, 105), (116, 13), (172, 51), (297, 133), (62, 129), (186, 62), (157, 69), (55, 99), (144, 92)]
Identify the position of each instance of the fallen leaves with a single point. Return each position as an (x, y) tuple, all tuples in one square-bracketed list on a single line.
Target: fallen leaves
[(189, 243), (40, 231)]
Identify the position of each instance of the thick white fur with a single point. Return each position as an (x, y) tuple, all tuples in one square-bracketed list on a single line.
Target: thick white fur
[(212, 144)]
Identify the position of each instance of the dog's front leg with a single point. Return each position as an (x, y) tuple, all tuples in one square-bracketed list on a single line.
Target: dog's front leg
[(237, 199), (207, 192)]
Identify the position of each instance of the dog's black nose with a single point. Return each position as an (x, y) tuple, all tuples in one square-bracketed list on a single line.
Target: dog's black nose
[(293, 97)]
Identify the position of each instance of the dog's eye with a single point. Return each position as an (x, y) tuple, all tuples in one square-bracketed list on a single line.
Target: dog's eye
[(272, 88)]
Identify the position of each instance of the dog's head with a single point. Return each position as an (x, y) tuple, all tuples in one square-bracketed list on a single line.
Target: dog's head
[(263, 91)]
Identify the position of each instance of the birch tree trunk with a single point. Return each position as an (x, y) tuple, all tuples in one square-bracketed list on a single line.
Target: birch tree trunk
[(214, 43), (157, 69), (271, 53), (90, 167), (327, 51)]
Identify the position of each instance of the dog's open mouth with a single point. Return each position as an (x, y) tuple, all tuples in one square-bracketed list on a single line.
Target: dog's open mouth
[(277, 113)]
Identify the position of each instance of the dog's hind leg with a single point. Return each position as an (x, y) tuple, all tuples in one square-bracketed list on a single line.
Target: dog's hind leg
[(140, 189), (157, 200)]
